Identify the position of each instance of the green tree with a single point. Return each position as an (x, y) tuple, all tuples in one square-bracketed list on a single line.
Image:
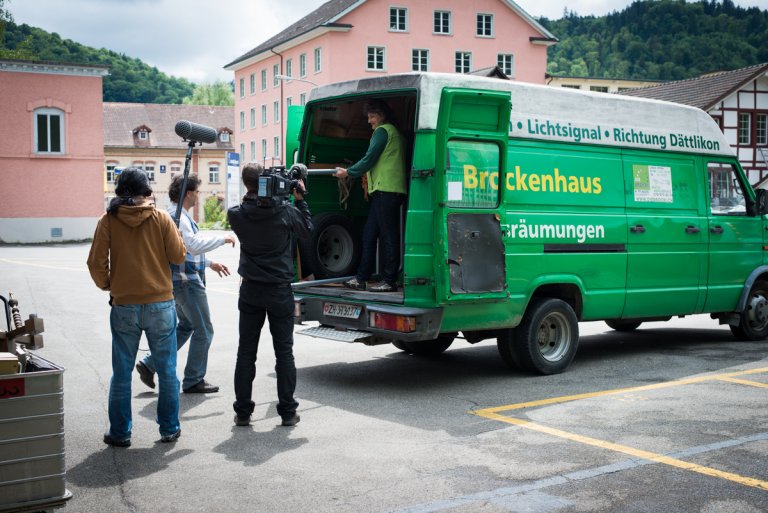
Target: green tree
[(216, 93), (215, 216)]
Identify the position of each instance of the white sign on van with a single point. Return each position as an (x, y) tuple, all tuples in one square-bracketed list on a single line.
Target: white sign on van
[(454, 191), (652, 183)]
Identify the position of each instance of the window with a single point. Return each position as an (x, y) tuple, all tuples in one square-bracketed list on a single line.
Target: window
[(318, 60), (276, 111), (375, 60), (242, 88), (253, 83), (264, 115), (289, 101), (275, 73), (442, 22), (176, 168), (263, 80), (143, 135), (242, 150), (49, 131), (506, 63), (111, 173), (420, 60), (303, 99), (761, 129), (599, 89), (289, 68), (264, 149), (484, 25), (242, 120), (303, 65), (277, 146), (213, 173), (253, 117), (398, 17), (744, 127), (463, 62), (150, 170), (725, 195), (253, 151), (571, 86), (224, 137), (463, 155)]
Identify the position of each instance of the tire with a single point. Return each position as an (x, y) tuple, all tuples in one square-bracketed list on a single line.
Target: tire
[(505, 343), (547, 338), (754, 318), (333, 250), (619, 325), (428, 347)]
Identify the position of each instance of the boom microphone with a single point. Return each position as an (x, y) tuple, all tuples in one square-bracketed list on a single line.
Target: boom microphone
[(197, 133)]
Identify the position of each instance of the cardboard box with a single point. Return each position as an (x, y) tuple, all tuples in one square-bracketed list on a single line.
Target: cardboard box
[(9, 364)]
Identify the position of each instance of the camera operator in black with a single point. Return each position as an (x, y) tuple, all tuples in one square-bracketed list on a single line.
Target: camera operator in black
[(267, 231)]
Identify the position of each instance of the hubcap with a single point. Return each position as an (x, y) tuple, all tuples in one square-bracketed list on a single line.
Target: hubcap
[(554, 336), (758, 312)]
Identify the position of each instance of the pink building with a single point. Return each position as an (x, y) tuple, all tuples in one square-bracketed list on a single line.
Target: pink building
[(51, 151), (348, 39)]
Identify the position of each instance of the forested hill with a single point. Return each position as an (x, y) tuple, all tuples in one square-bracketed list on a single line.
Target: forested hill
[(659, 40), (129, 79)]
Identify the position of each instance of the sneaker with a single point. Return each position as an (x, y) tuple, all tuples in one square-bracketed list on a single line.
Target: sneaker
[(202, 388), (383, 287), (170, 438), (116, 442), (291, 420), (147, 376), (242, 420), (355, 284)]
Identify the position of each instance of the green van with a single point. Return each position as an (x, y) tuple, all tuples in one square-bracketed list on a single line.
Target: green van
[(529, 209)]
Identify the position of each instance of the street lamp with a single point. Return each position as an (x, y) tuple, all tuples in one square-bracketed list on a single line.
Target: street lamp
[(286, 77)]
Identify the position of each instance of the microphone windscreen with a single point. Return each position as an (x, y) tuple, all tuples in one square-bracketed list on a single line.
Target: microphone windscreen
[(194, 132)]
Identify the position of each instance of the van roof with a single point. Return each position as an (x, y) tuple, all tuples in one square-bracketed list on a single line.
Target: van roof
[(560, 114)]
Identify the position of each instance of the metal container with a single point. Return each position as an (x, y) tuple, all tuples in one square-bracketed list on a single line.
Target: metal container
[(32, 468)]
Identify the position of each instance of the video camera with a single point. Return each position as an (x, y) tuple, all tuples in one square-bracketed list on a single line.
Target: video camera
[(277, 183)]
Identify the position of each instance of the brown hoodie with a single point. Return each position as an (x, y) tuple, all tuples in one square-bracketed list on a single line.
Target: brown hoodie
[(132, 252)]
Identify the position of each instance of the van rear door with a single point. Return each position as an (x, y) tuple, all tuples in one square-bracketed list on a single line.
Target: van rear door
[(471, 152)]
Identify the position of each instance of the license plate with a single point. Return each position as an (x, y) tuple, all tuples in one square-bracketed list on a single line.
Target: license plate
[(345, 311)]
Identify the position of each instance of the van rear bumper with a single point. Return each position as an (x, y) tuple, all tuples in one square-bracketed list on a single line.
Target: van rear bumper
[(425, 321)]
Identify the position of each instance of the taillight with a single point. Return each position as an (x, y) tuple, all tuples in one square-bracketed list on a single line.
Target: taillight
[(392, 322)]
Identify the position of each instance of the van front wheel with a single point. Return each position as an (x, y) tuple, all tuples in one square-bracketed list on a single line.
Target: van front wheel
[(548, 336), (754, 318), (619, 325), (426, 347)]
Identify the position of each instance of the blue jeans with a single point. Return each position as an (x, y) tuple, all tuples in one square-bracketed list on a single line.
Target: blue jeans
[(384, 224), (195, 322), (257, 302), (158, 322)]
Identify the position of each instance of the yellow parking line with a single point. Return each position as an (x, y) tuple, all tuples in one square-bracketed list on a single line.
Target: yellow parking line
[(745, 382), (601, 393), (493, 414), (636, 453)]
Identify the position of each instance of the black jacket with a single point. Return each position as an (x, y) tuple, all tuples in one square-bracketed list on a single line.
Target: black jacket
[(267, 236)]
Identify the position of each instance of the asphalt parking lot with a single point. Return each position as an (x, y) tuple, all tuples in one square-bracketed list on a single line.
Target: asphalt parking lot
[(671, 418)]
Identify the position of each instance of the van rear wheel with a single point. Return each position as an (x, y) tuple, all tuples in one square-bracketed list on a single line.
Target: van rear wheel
[(619, 325), (754, 318), (548, 336)]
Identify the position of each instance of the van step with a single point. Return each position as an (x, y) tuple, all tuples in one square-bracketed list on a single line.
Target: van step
[(334, 334)]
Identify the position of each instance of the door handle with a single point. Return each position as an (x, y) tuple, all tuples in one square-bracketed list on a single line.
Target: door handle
[(691, 229), (716, 230), (638, 228)]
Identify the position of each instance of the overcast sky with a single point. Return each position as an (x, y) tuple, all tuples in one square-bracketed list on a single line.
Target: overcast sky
[(196, 38)]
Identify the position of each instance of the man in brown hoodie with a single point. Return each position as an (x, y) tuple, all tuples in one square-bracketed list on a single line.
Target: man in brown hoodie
[(133, 247)]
